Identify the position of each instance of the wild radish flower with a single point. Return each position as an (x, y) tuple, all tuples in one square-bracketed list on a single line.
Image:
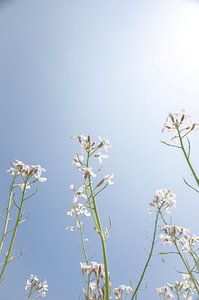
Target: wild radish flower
[(185, 289), (163, 199), (104, 143), (78, 209), (34, 285), (121, 290), (172, 234), (77, 161), (22, 186), (165, 292), (94, 267), (27, 171), (179, 122), (80, 193), (88, 172), (100, 157)]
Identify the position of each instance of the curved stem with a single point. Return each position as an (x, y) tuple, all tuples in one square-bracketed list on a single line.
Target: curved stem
[(149, 257), (187, 157)]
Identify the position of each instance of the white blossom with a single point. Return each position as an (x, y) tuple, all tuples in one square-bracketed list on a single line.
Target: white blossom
[(179, 121), (100, 157), (33, 285), (163, 199), (78, 209), (165, 292), (79, 193), (121, 290), (104, 143), (27, 171)]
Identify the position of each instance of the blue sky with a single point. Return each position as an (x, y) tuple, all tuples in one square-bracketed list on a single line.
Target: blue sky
[(108, 68)]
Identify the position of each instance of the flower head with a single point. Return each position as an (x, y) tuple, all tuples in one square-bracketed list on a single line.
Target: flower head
[(27, 171), (163, 199), (34, 285), (179, 123)]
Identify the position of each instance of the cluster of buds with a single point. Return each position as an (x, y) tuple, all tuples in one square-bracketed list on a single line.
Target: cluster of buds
[(34, 285), (163, 199), (18, 168), (95, 275), (121, 291), (184, 289), (88, 145)]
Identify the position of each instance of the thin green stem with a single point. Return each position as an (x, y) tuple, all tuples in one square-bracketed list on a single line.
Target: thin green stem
[(8, 210), (99, 229), (149, 257), (187, 157), (18, 219), (187, 268), (82, 239)]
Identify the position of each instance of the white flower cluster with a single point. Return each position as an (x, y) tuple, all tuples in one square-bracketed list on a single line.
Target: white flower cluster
[(179, 121), (173, 233), (122, 290), (34, 285), (95, 275), (88, 145), (165, 292), (78, 209), (180, 235), (94, 267), (27, 171), (184, 289), (163, 199)]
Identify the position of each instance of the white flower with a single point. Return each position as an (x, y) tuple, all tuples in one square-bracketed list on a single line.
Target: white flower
[(121, 290), (104, 143), (22, 185), (34, 285), (174, 233), (179, 121), (100, 157), (108, 179), (78, 209), (80, 193), (27, 171), (88, 172), (77, 161), (163, 199), (165, 292)]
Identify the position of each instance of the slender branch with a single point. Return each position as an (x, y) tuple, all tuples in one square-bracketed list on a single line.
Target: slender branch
[(149, 257), (18, 219), (8, 210)]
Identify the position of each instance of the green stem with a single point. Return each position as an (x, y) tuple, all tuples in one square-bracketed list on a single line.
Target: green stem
[(187, 267), (18, 219), (100, 231), (82, 240), (149, 257), (98, 225), (187, 157), (7, 218)]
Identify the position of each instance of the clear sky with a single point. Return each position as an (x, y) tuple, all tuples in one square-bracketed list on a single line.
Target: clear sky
[(109, 68)]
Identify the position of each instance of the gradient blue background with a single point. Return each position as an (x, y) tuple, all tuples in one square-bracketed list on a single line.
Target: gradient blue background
[(109, 68)]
